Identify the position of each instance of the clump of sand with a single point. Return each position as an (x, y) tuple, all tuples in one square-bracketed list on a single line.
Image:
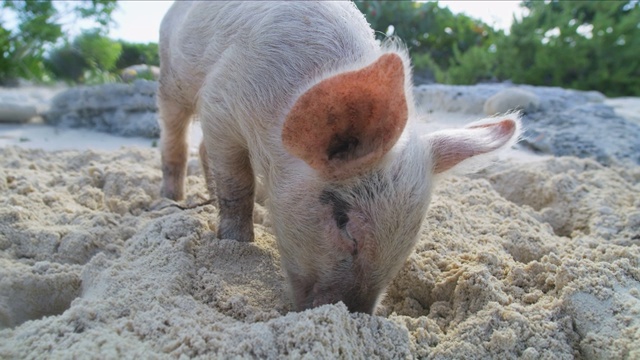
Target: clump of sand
[(531, 260)]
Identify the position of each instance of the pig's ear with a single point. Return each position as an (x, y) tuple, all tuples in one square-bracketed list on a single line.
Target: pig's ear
[(451, 147), (345, 124)]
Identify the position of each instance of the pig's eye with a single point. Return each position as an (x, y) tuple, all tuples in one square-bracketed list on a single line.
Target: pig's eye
[(341, 218), (339, 206), (348, 236)]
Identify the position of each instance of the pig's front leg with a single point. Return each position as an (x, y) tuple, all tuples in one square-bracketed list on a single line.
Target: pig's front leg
[(207, 170), (174, 122), (234, 187)]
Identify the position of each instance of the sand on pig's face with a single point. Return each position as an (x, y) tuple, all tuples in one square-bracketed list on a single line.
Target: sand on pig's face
[(536, 260)]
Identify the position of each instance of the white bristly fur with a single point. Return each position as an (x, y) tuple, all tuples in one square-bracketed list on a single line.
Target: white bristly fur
[(240, 67)]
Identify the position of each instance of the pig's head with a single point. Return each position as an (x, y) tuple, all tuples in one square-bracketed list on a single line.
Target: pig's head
[(349, 209)]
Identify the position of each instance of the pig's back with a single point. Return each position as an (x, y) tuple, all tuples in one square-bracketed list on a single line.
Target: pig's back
[(254, 58)]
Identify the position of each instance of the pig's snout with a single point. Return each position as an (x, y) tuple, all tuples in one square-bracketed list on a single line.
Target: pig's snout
[(355, 301), (357, 293)]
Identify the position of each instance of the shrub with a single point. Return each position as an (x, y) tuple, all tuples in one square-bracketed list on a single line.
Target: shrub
[(22, 48), (589, 45), (433, 34), (134, 54), (90, 58)]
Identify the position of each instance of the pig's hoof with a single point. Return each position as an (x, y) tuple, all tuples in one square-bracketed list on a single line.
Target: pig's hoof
[(240, 236), (170, 192), (162, 204)]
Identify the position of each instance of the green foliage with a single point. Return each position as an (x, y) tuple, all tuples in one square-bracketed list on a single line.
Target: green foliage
[(579, 44), (583, 45), (134, 54), (433, 33), (39, 27), (94, 58), (475, 65), (67, 63), (7, 74), (90, 58), (100, 52)]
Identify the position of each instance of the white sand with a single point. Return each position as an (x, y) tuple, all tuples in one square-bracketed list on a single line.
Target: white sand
[(46, 137), (530, 259), (50, 138), (627, 107)]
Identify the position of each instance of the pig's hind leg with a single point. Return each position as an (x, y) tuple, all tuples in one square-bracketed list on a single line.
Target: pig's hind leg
[(230, 166), (174, 124), (207, 170)]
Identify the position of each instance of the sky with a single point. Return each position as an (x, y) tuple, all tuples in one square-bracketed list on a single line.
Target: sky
[(139, 21), (498, 14)]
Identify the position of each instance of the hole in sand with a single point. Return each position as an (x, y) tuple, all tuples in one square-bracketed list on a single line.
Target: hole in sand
[(541, 194), (33, 292)]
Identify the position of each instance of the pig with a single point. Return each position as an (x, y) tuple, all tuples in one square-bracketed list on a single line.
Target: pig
[(302, 97)]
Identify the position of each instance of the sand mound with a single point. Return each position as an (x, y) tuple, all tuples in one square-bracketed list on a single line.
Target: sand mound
[(537, 260)]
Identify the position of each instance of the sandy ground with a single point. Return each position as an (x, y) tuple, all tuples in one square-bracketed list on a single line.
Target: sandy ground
[(531, 258), (41, 136)]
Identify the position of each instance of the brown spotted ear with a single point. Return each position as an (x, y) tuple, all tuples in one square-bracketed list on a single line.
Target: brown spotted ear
[(451, 147), (345, 124)]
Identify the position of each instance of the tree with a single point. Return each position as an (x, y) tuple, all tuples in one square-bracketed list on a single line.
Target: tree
[(90, 58), (436, 37), (67, 63), (100, 52), (134, 54), (588, 45), (39, 26)]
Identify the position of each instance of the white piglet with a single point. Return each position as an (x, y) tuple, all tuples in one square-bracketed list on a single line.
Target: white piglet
[(301, 95)]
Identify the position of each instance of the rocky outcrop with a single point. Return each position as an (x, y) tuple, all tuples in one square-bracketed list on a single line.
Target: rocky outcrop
[(21, 104), (557, 121), (12, 112), (511, 99), (122, 109)]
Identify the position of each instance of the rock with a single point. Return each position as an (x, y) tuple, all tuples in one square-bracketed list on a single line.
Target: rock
[(122, 109), (21, 104), (141, 71), (586, 131), (511, 99), (627, 107), (471, 99), (559, 122), (13, 112), (453, 98)]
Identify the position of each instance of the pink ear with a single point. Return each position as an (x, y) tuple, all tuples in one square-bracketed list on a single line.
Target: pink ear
[(346, 123), (450, 147)]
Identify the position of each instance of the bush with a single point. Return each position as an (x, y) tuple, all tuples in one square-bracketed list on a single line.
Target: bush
[(38, 27), (134, 54), (583, 45), (90, 58), (93, 58), (589, 45), (477, 64), (433, 33), (100, 52), (67, 63)]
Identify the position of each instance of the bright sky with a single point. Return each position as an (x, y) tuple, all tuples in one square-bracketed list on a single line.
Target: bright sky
[(139, 21), (498, 14)]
